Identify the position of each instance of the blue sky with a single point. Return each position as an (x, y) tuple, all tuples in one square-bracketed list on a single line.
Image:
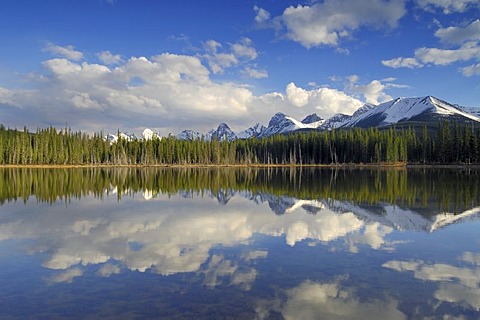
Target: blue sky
[(186, 64)]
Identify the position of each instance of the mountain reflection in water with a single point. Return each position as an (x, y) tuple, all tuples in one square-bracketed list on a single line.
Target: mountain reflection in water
[(283, 243)]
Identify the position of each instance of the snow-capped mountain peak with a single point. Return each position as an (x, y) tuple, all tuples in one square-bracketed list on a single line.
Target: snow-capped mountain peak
[(403, 109), (311, 119), (223, 133), (189, 135), (414, 111), (281, 123), (251, 132), (148, 134)]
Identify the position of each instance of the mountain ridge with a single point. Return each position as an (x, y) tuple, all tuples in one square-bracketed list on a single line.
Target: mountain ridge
[(423, 110)]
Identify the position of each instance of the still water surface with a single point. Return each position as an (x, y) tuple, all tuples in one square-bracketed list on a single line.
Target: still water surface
[(239, 244)]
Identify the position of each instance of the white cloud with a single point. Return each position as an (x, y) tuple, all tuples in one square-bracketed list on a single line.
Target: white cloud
[(108, 58), (442, 57), (262, 16), (327, 22), (458, 35), (400, 62), (326, 101), (447, 6), (296, 95), (244, 49), (68, 52), (467, 38), (472, 70), (220, 59), (468, 51), (167, 92), (373, 92), (255, 73)]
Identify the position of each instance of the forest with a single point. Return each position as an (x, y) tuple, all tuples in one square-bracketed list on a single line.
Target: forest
[(449, 143)]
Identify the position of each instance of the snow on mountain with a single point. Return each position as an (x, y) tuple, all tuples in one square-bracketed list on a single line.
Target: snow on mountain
[(391, 215), (313, 120), (418, 110), (403, 109), (148, 134), (112, 138), (189, 135), (251, 132), (281, 123), (223, 133), (366, 107), (127, 136), (335, 121), (471, 110)]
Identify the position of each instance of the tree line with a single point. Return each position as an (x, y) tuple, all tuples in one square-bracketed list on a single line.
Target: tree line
[(449, 143)]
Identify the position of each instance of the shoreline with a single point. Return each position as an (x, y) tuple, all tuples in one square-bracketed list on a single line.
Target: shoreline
[(326, 166)]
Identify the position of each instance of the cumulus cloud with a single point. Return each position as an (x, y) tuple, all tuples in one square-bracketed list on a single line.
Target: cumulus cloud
[(447, 6), (138, 92), (373, 91), (108, 58), (166, 92), (325, 100), (325, 23), (68, 52)]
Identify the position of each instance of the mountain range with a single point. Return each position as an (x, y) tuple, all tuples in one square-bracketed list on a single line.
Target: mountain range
[(401, 111)]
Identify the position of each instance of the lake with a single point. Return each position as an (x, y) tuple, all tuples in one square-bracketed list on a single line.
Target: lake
[(239, 243)]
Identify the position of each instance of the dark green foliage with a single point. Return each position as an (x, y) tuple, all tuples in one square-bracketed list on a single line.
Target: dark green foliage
[(406, 188), (63, 147)]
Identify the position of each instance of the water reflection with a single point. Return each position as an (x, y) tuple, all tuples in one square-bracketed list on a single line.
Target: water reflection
[(305, 243), (312, 300), (458, 284)]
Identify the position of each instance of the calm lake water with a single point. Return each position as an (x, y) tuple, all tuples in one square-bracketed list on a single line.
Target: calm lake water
[(239, 244)]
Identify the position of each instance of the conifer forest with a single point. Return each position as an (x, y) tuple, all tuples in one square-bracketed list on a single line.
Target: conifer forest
[(448, 143)]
